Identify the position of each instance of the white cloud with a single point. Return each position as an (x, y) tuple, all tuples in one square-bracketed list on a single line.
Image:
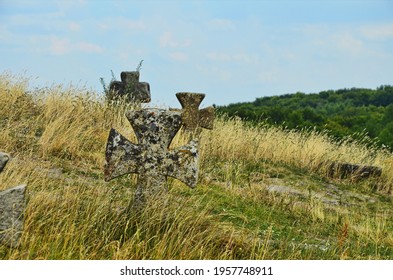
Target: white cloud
[(222, 57), (42, 21), (179, 56), (134, 25), (118, 24), (215, 71), (167, 40), (66, 6), (348, 43), (103, 26), (89, 47), (335, 39), (5, 35), (224, 75), (62, 46), (380, 31), (130, 24), (236, 57), (128, 52), (268, 76), (223, 24), (74, 26)]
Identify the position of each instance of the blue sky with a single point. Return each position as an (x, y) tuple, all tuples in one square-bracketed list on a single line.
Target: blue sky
[(233, 51)]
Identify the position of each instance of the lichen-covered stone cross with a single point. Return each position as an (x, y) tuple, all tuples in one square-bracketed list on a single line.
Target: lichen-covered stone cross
[(130, 87), (151, 158), (193, 117), (12, 208)]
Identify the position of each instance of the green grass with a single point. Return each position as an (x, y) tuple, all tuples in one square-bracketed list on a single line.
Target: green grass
[(57, 138)]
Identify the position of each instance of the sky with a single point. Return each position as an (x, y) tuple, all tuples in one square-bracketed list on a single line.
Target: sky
[(233, 51)]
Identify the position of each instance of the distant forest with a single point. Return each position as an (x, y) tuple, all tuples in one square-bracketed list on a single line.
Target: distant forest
[(341, 112)]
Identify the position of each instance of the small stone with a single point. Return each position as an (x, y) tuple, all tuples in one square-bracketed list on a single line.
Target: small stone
[(3, 160), (12, 207)]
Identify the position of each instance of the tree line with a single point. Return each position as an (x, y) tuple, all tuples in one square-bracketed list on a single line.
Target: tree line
[(343, 112)]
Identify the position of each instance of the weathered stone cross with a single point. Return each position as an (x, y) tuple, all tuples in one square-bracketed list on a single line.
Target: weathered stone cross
[(151, 158), (192, 117), (12, 207), (130, 87)]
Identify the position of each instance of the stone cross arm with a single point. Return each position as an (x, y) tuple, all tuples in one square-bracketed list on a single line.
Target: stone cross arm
[(182, 164), (124, 157), (151, 157)]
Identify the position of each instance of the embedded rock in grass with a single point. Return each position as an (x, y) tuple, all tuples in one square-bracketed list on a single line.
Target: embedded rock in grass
[(3, 160), (345, 170), (12, 206), (285, 190)]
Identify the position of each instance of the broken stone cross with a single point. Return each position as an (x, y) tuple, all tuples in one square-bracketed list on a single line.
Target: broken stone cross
[(12, 207), (193, 117), (131, 88), (151, 158)]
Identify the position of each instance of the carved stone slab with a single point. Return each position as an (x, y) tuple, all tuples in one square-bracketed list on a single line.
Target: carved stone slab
[(12, 208), (151, 158), (192, 116), (130, 87)]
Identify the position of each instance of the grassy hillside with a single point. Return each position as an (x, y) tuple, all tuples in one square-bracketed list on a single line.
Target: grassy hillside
[(341, 112), (263, 192)]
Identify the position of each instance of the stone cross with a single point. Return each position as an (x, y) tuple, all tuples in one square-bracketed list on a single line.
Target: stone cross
[(192, 116), (12, 207), (151, 158), (130, 87)]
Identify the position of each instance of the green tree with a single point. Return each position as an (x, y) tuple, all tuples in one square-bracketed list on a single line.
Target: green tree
[(386, 135)]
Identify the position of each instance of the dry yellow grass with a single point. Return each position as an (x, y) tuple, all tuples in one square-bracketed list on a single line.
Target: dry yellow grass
[(233, 140), (57, 138)]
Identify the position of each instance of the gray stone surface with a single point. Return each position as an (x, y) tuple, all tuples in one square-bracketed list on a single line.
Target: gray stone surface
[(3, 160), (12, 207), (151, 158), (285, 190), (347, 170), (131, 88), (192, 116)]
